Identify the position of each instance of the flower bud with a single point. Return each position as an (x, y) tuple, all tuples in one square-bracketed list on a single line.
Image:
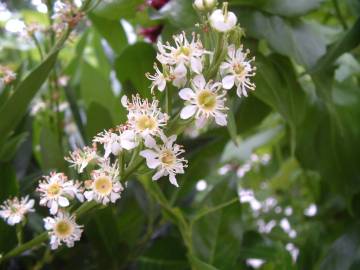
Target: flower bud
[(205, 5), (223, 20)]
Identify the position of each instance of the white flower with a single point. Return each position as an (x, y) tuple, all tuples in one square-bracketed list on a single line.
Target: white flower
[(62, 229), (145, 118), (80, 158), (13, 211), (159, 80), (184, 54), (56, 190), (205, 100), (222, 21), (165, 158), (115, 142), (104, 186), (177, 76), (238, 70)]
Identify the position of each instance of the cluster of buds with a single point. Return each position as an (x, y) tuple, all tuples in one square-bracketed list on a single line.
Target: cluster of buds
[(66, 15)]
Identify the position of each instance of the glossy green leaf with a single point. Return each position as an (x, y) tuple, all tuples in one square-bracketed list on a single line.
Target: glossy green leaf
[(112, 31), (8, 151), (131, 66), (217, 227), (117, 9), (16, 106), (297, 39)]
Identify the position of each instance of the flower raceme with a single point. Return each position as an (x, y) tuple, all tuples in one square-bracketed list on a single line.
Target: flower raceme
[(201, 75)]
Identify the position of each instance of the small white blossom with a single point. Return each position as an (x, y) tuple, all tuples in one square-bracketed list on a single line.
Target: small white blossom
[(222, 21), (165, 158), (184, 54), (115, 142), (62, 229), (205, 100), (145, 118), (56, 190), (104, 186), (13, 211), (80, 158), (238, 70)]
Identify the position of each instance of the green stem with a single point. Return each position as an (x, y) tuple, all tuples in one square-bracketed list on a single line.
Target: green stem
[(26, 246), (38, 46), (339, 14), (19, 233)]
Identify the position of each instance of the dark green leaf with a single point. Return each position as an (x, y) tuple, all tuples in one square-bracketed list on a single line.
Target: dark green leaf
[(131, 66), (15, 108)]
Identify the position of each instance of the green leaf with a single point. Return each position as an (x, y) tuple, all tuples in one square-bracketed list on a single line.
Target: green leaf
[(112, 31), (8, 151), (131, 66), (277, 86), (349, 41), (291, 8), (176, 11), (200, 265), (16, 106), (117, 9), (99, 118), (95, 88), (52, 155), (297, 39), (343, 252), (217, 228)]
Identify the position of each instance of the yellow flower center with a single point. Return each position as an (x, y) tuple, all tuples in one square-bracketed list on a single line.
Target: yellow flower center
[(167, 157), (145, 122), (184, 50), (239, 69), (103, 185), (54, 190), (207, 100), (63, 228)]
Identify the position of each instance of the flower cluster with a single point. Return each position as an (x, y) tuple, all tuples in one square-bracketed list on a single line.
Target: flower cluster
[(66, 14), (203, 75)]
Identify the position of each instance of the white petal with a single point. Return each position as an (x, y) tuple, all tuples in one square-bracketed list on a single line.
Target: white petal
[(149, 141), (151, 158), (157, 175), (173, 180), (228, 81), (89, 195), (114, 196), (199, 81), (63, 202), (54, 208), (186, 94), (196, 65), (188, 111), (220, 119)]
